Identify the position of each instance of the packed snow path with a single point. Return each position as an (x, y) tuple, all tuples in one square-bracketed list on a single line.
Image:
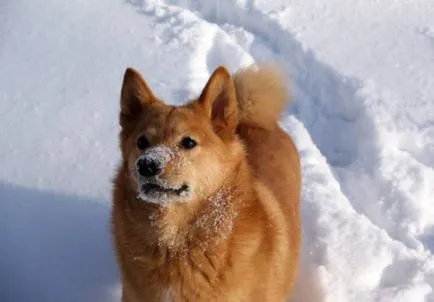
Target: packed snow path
[(362, 75)]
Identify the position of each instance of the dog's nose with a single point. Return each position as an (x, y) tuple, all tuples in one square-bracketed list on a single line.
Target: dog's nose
[(148, 167)]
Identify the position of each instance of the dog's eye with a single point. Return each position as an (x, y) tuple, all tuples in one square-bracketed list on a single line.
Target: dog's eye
[(142, 142), (188, 143)]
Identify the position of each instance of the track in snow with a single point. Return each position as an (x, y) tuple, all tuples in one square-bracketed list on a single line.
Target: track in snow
[(331, 106), (336, 110)]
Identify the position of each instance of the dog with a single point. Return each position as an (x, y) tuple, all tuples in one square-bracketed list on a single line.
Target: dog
[(206, 197)]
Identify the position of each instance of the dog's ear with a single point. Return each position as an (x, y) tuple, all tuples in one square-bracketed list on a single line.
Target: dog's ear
[(219, 101), (135, 95)]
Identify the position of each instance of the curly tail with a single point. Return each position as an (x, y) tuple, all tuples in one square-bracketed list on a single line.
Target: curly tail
[(262, 95)]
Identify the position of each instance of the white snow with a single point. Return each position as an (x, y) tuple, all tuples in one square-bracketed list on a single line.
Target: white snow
[(162, 154), (362, 72)]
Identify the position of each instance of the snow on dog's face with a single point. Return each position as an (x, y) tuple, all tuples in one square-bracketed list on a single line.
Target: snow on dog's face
[(178, 154)]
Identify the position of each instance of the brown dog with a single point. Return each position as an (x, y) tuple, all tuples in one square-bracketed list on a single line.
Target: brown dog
[(206, 198)]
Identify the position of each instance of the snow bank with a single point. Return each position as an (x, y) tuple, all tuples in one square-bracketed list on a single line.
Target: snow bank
[(362, 73)]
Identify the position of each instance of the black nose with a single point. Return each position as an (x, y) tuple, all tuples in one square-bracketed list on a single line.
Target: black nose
[(148, 167)]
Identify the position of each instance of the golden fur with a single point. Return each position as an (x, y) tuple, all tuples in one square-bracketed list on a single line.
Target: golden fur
[(235, 235)]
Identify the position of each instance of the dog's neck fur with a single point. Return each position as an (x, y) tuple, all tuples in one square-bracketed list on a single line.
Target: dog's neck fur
[(179, 227)]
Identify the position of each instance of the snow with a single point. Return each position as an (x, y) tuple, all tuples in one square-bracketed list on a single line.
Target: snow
[(160, 154), (362, 73)]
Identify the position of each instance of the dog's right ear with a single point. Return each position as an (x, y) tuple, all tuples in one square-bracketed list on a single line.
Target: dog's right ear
[(135, 95)]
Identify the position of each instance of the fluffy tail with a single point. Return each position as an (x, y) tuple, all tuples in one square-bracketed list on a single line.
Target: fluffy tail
[(262, 95)]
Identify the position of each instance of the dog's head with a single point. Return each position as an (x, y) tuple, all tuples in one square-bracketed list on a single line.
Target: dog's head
[(179, 154)]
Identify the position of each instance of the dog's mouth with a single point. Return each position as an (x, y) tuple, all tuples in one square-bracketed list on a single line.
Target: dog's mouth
[(149, 188), (161, 194)]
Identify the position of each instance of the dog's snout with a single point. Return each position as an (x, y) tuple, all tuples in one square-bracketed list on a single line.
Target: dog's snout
[(148, 167)]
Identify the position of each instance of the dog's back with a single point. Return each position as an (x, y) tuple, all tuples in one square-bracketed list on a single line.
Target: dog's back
[(262, 96)]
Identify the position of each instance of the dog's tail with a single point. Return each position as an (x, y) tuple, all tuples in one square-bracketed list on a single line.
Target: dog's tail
[(261, 94)]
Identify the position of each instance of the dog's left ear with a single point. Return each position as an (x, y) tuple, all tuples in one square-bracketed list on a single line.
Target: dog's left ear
[(219, 101)]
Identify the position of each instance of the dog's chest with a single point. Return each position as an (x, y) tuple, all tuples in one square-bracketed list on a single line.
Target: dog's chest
[(167, 295)]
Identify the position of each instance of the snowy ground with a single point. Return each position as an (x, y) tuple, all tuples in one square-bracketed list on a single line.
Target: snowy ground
[(362, 72)]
